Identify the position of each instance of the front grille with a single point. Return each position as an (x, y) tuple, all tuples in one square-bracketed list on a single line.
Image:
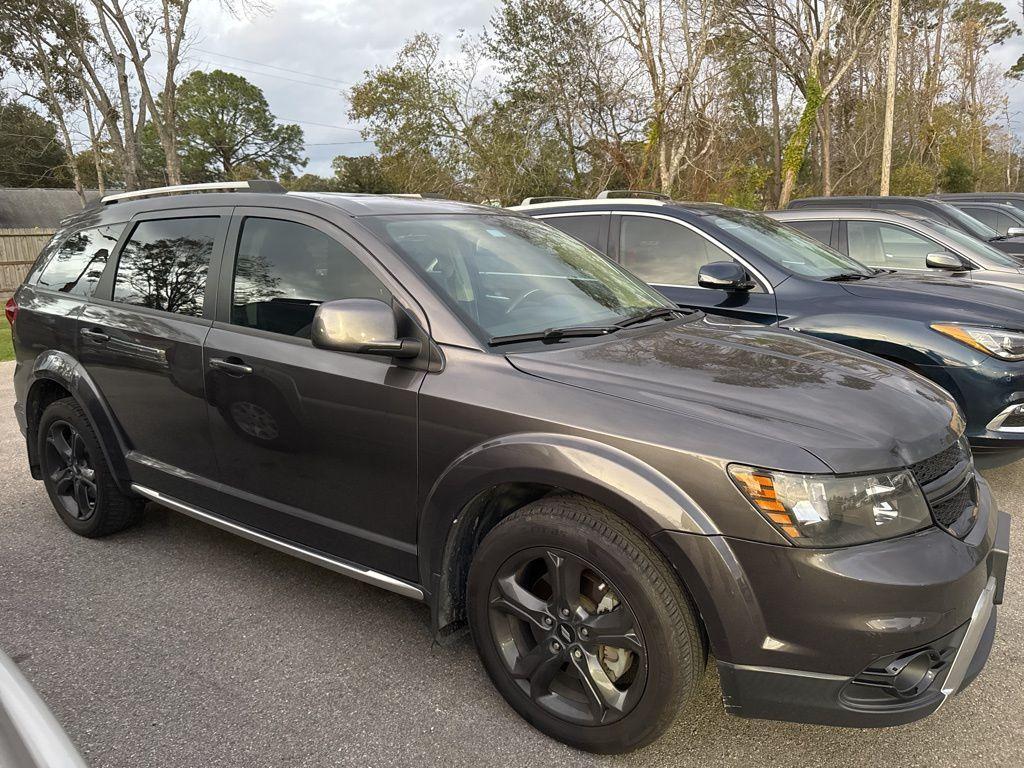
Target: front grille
[(932, 469), (948, 512), (948, 482)]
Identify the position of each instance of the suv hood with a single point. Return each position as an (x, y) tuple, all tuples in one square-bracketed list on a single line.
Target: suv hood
[(853, 412), (982, 292)]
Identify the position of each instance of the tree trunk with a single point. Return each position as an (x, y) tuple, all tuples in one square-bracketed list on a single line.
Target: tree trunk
[(94, 142), (796, 147), (776, 120), (825, 132), (890, 95)]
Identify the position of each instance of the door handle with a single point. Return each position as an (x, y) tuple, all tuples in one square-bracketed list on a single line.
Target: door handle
[(234, 366), (93, 335)]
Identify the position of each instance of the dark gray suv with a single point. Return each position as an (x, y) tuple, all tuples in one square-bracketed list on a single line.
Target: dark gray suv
[(473, 409)]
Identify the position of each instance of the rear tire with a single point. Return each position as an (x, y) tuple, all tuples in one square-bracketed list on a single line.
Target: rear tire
[(77, 477), (545, 586)]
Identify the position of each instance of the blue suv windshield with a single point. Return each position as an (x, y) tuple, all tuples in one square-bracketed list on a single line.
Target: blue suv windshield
[(788, 248)]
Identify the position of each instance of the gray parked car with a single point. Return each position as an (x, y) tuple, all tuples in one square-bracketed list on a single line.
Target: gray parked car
[(473, 409), (906, 243)]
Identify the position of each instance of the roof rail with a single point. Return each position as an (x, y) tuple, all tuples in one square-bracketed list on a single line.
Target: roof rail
[(255, 185), (609, 193), (546, 199)]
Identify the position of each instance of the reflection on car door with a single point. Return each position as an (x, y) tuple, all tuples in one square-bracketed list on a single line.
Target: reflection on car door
[(141, 341), (668, 254), (314, 446)]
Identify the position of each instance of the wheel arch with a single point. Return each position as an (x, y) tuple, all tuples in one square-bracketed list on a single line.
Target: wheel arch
[(56, 375), (490, 481)]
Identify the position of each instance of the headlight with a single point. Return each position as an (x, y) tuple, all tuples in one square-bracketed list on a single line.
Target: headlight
[(831, 511), (1006, 345)]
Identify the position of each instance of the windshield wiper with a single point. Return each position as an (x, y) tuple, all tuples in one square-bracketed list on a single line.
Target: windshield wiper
[(555, 334), (843, 276), (652, 314)]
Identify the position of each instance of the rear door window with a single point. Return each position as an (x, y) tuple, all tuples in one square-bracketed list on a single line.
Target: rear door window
[(77, 265), (285, 270), (819, 230), (589, 229), (165, 264)]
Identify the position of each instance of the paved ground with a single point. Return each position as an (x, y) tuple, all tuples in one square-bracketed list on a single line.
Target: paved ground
[(175, 644)]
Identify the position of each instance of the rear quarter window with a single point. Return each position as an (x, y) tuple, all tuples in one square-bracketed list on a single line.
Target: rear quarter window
[(77, 264)]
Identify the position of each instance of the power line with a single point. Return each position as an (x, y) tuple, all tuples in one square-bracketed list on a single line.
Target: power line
[(272, 66), (267, 74), (320, 125)]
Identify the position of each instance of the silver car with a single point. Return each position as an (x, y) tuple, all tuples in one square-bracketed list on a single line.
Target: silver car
[(906, 243), (30, 736)]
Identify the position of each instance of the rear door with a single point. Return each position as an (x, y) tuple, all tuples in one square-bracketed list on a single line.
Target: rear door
[(668, 254), (314, 446), (141, 340)]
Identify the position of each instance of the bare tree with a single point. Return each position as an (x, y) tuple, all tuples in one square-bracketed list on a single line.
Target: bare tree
[(890, 95)]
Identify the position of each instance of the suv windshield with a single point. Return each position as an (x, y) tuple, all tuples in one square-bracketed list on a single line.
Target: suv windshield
[(508, 275), (968, 223), (790, 249), (976, 248)]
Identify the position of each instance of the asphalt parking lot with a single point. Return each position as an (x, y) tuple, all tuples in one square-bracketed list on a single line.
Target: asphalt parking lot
[(175, 644)]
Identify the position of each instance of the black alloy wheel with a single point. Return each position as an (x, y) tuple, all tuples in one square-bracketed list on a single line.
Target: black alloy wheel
[(70, 469), (568, 639), (582, 625), (76, 474)]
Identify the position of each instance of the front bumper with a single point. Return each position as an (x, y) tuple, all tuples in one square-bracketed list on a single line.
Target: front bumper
[(818, 636), (986, 393)]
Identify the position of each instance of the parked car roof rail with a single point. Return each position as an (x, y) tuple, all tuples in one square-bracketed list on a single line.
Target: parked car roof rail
[(254, 185), (612, 193)]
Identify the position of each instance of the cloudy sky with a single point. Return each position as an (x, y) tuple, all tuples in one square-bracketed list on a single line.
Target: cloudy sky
[(305, 53)]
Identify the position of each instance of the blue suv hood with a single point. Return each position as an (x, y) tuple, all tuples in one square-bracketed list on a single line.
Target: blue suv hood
[(998, 295)]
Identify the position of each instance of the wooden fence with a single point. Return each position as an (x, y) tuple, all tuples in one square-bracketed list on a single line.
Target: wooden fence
[(18, 251)]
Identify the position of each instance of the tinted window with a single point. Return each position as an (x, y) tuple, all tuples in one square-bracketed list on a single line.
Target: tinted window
[(77, 265), (819, 230), (165, 263), (663, 252), (987, 217), (285, 270), (585, 228), (884, 245), (507, 275)]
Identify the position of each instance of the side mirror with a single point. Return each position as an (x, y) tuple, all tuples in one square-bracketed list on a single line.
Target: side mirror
[(944, 260), (363, 326), (1015, 232), (724, 276)]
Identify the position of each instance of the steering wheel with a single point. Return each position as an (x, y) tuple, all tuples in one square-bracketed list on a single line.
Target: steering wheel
[(533, 295)]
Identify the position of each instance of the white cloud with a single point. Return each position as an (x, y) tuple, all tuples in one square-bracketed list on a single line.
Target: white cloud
[(331, 43)]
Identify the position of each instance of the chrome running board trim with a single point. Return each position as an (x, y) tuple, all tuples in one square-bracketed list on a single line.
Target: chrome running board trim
[(295, 550)]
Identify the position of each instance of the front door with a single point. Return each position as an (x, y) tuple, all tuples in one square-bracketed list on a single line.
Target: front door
[(314, 446), (141, 340), (668, 254)]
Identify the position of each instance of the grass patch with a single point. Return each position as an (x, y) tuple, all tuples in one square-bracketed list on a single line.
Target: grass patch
[(6, 345)]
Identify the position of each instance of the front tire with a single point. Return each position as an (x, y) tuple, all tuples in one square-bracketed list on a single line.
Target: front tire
[(78, 480), (582, 626)]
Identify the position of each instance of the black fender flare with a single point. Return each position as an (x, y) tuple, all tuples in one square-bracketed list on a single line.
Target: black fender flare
[(63, 369), (642, 495)]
